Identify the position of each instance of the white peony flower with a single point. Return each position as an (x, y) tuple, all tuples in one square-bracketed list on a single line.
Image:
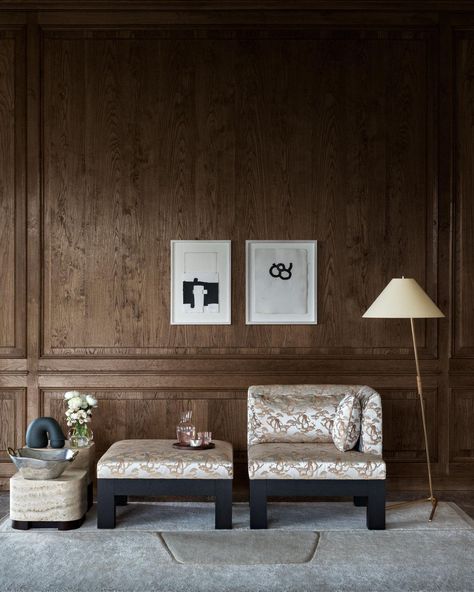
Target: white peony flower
[(84, 403), (71, 394), (91, 401), (75, 402)]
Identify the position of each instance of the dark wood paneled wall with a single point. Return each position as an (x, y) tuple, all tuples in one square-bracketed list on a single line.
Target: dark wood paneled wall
[(121, 131)]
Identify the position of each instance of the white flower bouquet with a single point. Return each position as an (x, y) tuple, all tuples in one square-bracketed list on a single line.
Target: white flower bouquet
[(78, 416)]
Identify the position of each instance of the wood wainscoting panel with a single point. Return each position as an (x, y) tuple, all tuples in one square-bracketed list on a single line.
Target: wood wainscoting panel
[(12, 428), (123, 415), (461, 425), (403, 440), (463, 309), (12, 193), (152, 135)]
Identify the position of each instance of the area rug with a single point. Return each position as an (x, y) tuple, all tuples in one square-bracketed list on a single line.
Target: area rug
[(241, 547), (317, 516), (411, 555)]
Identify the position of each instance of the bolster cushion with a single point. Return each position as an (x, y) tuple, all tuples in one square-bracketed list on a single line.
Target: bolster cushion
[(346, 427)]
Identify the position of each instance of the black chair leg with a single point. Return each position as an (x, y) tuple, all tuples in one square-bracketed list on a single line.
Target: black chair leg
[(121, 500), (376, 506), (258, 503), (360, 500), (105, 503), (223, 501)]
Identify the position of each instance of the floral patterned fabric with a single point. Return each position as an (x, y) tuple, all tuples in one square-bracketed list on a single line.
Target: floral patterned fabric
[(346, 426), (267, 420), (312, 461), (295, 418), (157, 459)]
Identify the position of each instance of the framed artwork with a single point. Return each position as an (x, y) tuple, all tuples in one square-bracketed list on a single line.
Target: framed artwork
[(200, 282), (281, 282)]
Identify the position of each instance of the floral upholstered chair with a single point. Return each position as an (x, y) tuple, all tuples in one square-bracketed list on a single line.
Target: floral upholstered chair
[(314, 440)]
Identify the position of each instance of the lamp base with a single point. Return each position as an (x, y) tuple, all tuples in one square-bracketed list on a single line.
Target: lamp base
[(432, 499)]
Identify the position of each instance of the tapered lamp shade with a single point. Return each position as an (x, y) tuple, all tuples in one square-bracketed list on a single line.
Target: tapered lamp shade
[(403, 298)]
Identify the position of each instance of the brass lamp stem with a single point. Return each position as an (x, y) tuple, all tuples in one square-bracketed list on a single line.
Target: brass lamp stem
[(432, 498), (422, 403)]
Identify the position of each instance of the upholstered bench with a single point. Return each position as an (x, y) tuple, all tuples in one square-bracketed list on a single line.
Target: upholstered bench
[(154, 467), (292, 452)]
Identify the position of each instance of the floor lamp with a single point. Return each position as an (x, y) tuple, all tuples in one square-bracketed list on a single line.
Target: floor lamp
[(403, 298)]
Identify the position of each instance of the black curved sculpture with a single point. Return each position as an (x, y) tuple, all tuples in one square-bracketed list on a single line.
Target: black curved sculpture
[(42, 430)]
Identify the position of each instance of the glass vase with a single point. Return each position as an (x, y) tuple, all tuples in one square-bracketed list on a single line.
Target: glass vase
[(80, 435), (185, 430)]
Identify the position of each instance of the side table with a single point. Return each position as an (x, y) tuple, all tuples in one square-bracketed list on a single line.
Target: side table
[(55, 503), (49, 503)]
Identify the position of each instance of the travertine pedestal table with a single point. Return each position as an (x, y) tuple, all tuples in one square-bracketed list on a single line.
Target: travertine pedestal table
[(56, 503)]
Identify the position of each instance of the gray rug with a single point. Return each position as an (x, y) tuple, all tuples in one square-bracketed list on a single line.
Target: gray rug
[(241, 547), (411, 555), (321, 516)]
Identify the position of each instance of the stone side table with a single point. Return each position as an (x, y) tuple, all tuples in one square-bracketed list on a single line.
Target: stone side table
[(55, 503), (52, 503)]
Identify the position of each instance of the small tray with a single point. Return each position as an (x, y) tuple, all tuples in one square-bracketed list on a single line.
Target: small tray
[(188, 447)]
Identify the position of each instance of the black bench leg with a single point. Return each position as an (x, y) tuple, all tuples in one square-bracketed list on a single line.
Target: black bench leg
[(258, 503), (223, 503), (376, 505), (121, 500), (105, 503), (90, 496), (360, 500)]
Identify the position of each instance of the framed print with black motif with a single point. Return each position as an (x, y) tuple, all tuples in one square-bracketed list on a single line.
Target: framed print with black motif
[(281, 282), (200, 282)]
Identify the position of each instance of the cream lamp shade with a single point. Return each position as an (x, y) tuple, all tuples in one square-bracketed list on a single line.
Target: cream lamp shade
[(403, 298)]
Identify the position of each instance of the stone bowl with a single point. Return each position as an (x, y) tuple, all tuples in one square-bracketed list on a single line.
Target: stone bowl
[(41, 464)]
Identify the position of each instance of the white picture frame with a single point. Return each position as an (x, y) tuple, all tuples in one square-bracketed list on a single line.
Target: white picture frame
[(269, 299), (200, 282)]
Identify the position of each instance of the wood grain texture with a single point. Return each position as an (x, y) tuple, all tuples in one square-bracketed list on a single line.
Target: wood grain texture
[(12, 420), (403, 428), (125, 415), (462, 435), (150, 139), (463, 342), (147, 125), (12, 196)]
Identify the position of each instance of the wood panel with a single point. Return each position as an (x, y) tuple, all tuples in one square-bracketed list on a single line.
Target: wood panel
[(402, 425), (462, 434), (141, 126), (12, 419), (149, 138), (463, 334), (12, 194), (154, 414)]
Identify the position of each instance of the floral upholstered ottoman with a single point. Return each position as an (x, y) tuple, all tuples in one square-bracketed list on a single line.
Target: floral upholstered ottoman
[(155, 467)]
